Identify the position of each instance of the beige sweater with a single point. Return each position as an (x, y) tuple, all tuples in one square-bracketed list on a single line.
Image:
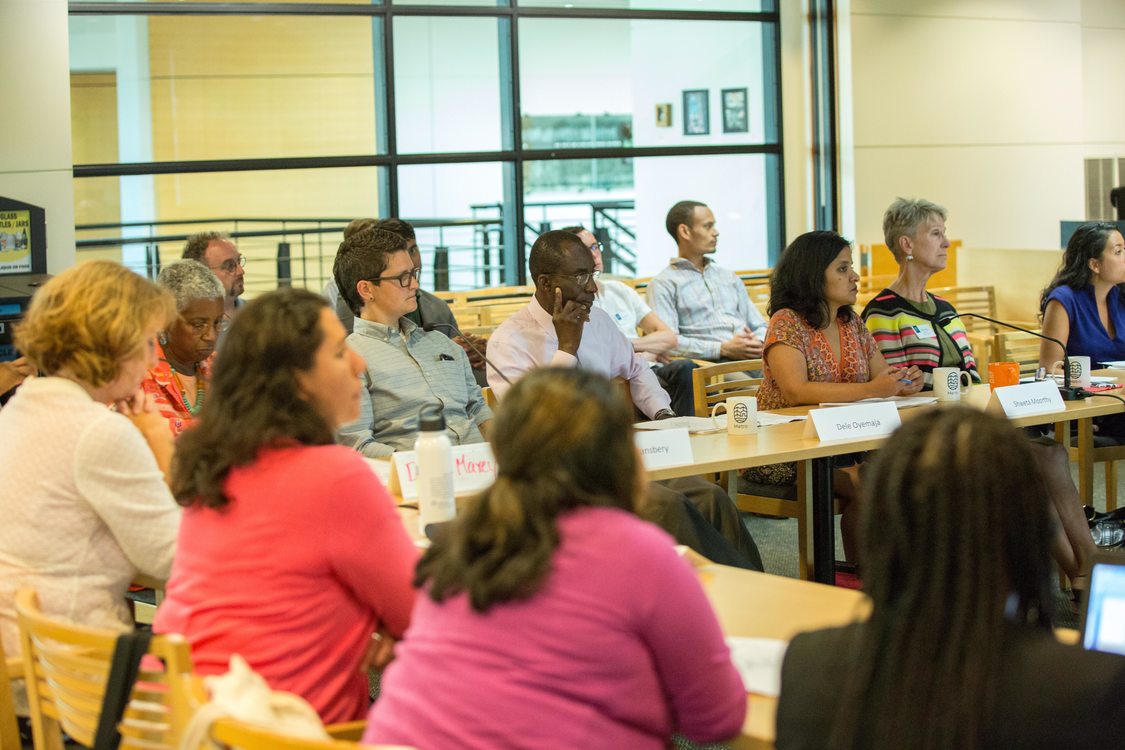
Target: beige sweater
[(83, 507)]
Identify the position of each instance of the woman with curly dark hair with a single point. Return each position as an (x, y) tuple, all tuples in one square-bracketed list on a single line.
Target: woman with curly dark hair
[(1083, 305), (290, 552)]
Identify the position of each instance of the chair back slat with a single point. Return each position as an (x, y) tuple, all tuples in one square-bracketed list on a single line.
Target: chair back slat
[(1016, 346), (712, 384), (66, 668)]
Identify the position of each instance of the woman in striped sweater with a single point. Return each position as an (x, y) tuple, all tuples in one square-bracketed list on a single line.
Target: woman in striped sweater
[(913, 327)]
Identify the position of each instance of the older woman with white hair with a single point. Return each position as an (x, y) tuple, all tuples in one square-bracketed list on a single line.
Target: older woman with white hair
[(178, 382)]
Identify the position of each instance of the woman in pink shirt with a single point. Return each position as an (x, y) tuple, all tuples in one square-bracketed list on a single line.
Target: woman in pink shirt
[(290, 552), (553, 617)]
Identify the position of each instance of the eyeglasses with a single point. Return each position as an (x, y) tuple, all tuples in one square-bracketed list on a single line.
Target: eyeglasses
[(582, 279), (595, 247), (403, 278), (230, 266)]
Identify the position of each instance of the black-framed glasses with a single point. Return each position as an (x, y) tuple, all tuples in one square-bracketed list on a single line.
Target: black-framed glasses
[(582, 279), (230, 266), (403, 278)]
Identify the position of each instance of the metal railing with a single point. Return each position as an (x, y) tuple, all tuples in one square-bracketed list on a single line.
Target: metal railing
[(611, 221), (458, 253)]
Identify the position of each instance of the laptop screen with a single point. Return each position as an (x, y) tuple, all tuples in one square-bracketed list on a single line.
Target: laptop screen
[(1104, 623)]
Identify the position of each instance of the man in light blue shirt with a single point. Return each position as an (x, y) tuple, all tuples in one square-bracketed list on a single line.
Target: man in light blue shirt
[(407, 367), (703, 302)]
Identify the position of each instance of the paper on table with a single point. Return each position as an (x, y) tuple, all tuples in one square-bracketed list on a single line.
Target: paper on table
[(768, 418), (758, 661), (901, 402), (382, 469), (694, 425), (700, 425), (1117, 364), (1094, 380)]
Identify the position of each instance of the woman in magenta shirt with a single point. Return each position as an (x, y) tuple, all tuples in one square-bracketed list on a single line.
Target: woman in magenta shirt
[(290, 552), (553, 617)]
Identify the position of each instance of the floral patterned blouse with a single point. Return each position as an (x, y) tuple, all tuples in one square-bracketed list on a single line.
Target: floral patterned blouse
[(857, 346), (161, 385)]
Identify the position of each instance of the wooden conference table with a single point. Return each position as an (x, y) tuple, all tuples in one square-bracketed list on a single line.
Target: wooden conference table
[(760, 605), (719, 452)]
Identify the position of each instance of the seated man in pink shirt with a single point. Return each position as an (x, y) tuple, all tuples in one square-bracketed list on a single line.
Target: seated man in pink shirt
[(630, 312), (560, 327)]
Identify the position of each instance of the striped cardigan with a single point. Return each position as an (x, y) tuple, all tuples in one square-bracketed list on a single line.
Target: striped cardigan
[(896, 324)]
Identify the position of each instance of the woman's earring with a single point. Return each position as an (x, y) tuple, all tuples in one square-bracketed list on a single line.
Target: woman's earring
[(910, 257), (162, 338)]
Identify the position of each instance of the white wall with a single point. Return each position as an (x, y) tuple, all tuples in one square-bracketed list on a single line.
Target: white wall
[(35, 152), (119, 44), (668, 58), (988, 107)]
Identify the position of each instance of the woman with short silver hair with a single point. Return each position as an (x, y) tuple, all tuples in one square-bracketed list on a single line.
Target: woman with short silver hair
[(178, 382)]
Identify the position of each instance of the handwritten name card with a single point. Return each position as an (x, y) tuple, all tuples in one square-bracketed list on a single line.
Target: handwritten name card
[(474, 469)]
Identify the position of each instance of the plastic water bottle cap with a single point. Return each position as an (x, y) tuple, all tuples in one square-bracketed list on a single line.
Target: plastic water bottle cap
[(431, 418)]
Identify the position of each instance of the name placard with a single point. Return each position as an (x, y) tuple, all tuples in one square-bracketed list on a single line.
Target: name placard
[(850, 422), (1026, 399), (474, 469), (660, 448)]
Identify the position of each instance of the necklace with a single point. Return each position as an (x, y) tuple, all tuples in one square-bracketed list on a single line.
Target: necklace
[(200, 391)]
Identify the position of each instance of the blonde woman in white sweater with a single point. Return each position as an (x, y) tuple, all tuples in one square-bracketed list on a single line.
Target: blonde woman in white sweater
[(83, 490)]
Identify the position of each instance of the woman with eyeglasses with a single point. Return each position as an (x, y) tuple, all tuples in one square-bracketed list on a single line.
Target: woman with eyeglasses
[(408, 367), (178, 382)]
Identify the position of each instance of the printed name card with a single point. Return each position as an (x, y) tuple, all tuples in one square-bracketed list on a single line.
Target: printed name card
[(660, 448), (850, 422), (1026, 399), (474, 469)]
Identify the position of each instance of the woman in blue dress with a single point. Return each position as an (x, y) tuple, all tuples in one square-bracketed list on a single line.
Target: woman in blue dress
[(1083, 305)]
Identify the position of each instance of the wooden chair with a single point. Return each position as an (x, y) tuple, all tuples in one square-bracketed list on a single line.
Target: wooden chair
[(10, 669), (1088, 449), (230, 734), (711, 386), (982, 301), (489, 397), (65, 670), (1016, 346)]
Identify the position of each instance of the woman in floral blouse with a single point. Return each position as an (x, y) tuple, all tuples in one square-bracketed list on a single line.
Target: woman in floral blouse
[(818, 350), (178, 382)]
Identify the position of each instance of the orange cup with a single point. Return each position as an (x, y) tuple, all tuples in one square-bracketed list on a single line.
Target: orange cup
[(1003, 373)]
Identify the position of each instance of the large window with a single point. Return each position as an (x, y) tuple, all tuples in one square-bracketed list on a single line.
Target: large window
[(484, 122)]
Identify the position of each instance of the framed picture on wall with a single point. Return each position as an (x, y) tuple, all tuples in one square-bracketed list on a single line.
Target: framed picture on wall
[(735, 117), (697, 115), (664, 115)]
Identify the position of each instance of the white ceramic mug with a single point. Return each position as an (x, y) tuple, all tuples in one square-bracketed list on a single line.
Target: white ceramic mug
[(1079, 371), (950, 383), (742, 415)]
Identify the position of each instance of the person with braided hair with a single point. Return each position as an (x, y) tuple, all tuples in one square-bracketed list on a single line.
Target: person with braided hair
[(958, 651)]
